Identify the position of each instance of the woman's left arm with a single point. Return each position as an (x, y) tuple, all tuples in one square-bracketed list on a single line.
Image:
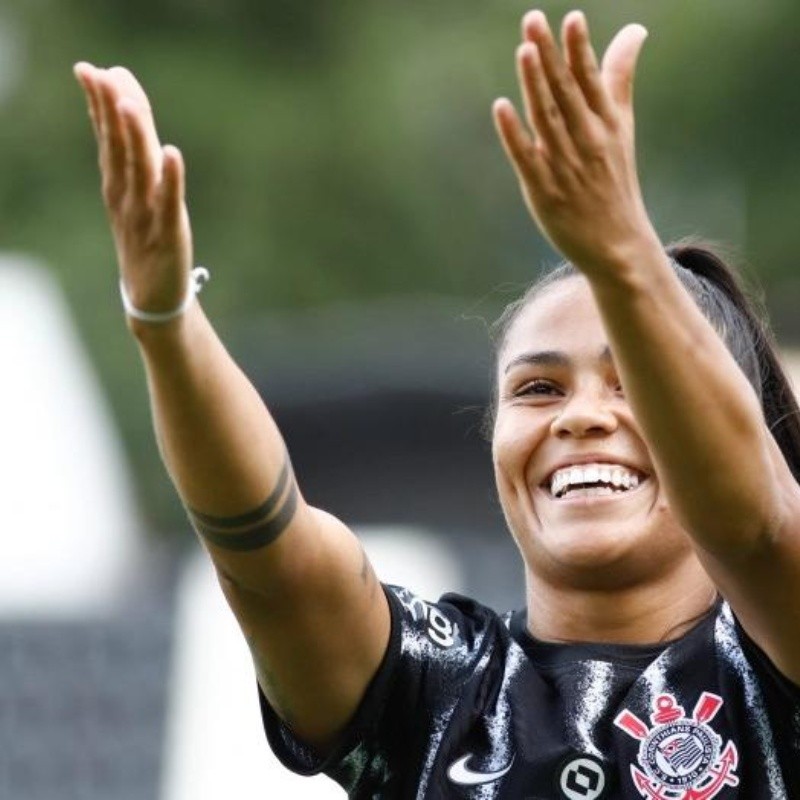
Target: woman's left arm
[(724, 475)]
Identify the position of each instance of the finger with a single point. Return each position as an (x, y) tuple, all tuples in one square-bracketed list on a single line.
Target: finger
[(84, 74), (619, 63), (128, 86), (140, 172), (112, 149), (173, 187), (90, 78), (544, 114), (563, 86), (582, 62), (521, 149)]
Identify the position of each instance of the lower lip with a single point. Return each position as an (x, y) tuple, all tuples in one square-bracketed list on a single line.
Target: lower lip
[(585, 500)]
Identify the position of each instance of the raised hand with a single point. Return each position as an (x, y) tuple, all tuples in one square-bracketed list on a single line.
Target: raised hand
[(574, 155), (143, 190)]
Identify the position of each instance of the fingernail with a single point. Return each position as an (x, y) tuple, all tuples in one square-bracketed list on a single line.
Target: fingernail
[(534, 21), (500, 103), (528, 54)]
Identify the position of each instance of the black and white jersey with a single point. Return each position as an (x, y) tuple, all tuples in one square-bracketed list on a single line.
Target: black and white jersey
[(468, 705)]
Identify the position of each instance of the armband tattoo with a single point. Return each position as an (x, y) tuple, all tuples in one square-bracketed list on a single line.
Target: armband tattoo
[(253, 529)]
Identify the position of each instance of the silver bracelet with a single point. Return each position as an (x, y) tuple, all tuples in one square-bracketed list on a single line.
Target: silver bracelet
[(197, 279)]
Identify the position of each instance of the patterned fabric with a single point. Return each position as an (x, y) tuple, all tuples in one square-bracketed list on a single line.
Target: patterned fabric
[(468, 705)]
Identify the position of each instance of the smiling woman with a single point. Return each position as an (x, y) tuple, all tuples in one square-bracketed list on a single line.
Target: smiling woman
[(645, 446), (560, 422)]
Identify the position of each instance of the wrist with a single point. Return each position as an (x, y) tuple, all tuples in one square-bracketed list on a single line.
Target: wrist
[(631, 263), (141, 321), (197, 279), (176, 332)]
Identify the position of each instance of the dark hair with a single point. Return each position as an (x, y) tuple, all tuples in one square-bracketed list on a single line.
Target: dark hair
[(735, 315)]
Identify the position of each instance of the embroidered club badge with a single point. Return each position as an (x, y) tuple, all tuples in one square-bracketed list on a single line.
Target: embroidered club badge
[(680, 757)]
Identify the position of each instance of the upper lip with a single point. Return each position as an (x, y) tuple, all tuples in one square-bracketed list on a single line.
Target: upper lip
[(592, 458)]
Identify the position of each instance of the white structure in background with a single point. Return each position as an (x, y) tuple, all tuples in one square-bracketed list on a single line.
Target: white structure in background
[(69, 522), (216, 747)]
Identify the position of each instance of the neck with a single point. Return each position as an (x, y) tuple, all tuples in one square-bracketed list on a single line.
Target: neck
[(636, 614)]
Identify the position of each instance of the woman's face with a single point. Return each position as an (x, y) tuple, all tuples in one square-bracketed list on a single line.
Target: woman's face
[(575, 477)]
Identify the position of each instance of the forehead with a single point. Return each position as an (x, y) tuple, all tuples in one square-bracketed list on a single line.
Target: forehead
[(564, 317)]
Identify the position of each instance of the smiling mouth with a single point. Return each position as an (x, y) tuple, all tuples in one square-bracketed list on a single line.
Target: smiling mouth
[(593, 481)]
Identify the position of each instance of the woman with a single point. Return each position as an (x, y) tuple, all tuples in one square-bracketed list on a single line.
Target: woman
[(633, 462)]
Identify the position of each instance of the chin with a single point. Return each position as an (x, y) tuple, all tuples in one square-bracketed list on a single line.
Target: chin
[(601, 560), (591, 552)]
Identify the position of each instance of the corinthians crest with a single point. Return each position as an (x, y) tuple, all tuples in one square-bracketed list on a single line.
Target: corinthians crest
[(680, 757)]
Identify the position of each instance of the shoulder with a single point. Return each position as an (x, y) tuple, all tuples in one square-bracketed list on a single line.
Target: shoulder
[(452, 637), (451, 621)]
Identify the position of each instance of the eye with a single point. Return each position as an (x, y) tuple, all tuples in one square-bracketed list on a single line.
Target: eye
[(537, 388)]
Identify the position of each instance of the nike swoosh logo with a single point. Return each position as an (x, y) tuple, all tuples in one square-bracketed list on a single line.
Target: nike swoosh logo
[(460, 773)]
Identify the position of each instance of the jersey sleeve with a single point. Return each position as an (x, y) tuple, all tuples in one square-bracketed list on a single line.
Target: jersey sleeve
[(782, 701), (434, 648)]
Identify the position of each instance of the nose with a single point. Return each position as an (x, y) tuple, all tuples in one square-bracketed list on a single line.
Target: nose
[(585, 413)]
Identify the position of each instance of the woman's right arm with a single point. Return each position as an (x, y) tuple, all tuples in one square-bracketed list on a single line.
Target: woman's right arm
[(296, 578)]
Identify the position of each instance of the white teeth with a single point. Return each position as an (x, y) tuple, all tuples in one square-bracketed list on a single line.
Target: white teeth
[(569, 480)]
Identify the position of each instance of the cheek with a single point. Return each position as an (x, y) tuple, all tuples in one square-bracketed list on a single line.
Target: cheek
[(510, 454), (513, 444)]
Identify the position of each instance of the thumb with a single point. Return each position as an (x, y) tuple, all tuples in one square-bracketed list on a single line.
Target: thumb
[(619, 63)]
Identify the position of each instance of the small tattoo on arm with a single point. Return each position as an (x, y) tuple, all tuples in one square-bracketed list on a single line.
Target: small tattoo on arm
[(367, 573), (253, 529)]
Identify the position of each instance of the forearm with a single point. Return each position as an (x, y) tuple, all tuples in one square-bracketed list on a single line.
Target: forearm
[(218, 441), (698, 412)]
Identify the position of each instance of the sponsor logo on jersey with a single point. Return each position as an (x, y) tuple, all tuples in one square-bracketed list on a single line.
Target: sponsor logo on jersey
[(461, 774), (583, 778), (680, 757), (438, 627)]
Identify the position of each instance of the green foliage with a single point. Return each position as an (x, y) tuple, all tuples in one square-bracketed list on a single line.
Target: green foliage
[(344, 150)]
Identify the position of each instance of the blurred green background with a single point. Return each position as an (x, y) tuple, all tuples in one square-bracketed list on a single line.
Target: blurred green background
[(340, 151)]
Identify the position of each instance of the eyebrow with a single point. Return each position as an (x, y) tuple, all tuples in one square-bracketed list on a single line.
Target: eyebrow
[(551, 358)]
